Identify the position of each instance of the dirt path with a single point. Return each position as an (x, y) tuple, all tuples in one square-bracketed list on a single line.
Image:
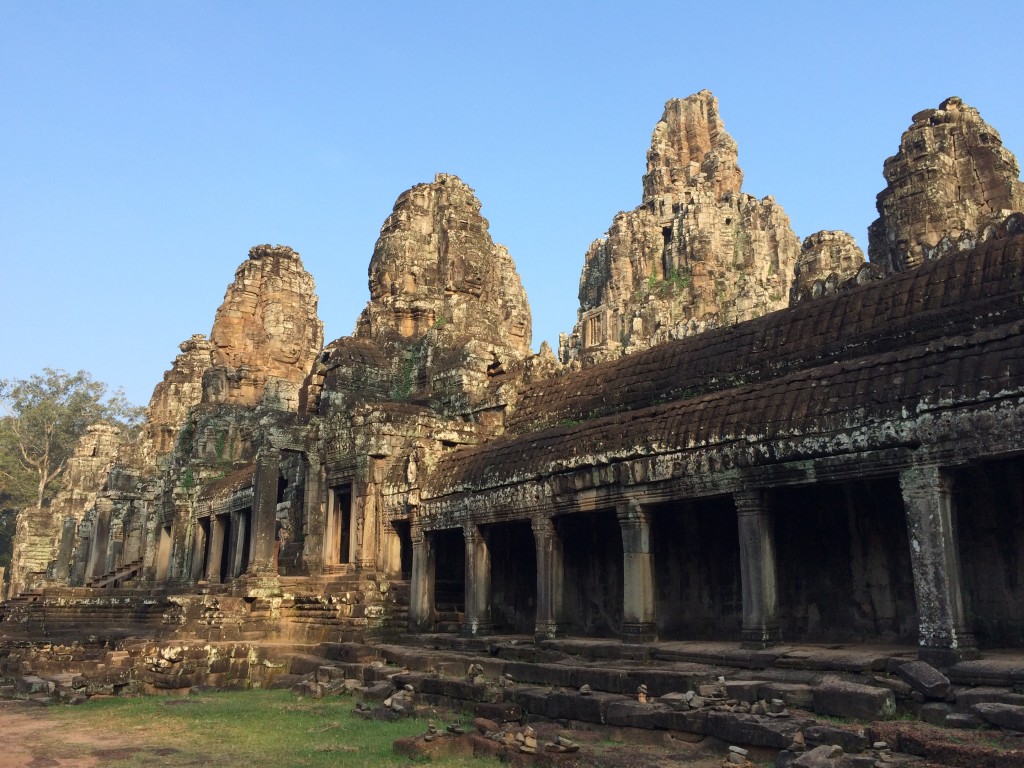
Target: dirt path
[(32, 737)]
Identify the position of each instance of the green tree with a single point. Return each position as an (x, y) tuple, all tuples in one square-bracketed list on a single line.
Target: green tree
[(41, 419)]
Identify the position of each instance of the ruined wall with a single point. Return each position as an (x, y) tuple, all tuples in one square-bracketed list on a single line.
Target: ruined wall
[(951, 175), (697, 253), (266, 333)]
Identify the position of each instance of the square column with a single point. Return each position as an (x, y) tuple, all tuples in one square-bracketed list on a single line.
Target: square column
[(478, 583), (263, 522), (421, 588), (757, 570), (315, 518), (942, 628), (639, 612), (217, 532), (549, 578)]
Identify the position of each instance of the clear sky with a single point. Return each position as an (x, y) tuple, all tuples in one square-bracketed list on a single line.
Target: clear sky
[(145, 146)]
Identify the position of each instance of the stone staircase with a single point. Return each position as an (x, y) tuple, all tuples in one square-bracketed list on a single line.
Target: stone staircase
[(117, 576)]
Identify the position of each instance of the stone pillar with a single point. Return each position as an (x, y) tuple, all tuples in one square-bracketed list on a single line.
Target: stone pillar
[(371, 513), (757, 570), (263, 523), (217, 526), (315, 517), (183, 571), (421, 588), (478, 583), (549, 578), (639, 611), (65, 550), (931, 528), (391, 557), (100, 538)]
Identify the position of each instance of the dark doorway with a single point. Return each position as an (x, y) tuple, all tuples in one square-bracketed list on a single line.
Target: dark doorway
[(697, 569), (513, 598), (450, 573), (843, 563), (593, 577), (989, 506)]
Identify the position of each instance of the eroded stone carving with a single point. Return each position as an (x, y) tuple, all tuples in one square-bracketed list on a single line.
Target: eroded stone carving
[(181, 388), (266, 333), (697, 253), (827, 260), (951, 175)]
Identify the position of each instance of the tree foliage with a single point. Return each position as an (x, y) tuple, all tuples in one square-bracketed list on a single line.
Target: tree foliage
[(41, 419)]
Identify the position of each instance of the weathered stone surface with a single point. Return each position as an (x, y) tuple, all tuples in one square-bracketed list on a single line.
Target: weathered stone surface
[(435, 267), (827, 260), (181, 388), (753, 730), (849, 740), (950, 176), (842, 699), (697, 253), (968, 697), (925, 678), (266, 333), (935, 712), (1008, 716)]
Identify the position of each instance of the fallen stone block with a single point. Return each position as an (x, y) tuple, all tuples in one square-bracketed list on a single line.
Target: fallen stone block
[(968, 697), (924, 678), (375, 692), (1006, 716), (864, 702), (499, 711), (935, 712), (824, 756), (852, 741), (575, 706), (753, 730), (31, 684), (797, 695), (633, 714)]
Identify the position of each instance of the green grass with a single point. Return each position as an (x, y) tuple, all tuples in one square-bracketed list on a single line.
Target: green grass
[(248, 728)]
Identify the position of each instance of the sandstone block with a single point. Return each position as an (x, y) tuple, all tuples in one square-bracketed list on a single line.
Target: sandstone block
[(923, 677), (842, 699), (1006, 716)]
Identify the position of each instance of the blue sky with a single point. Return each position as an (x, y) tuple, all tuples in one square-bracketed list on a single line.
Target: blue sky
[(145, 146)]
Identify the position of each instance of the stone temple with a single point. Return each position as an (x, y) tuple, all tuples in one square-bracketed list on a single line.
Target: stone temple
[(745, 437)]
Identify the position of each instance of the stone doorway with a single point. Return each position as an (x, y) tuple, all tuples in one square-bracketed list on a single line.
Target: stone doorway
[(513, 597), (843, 563), (339, 536), (593, 574), (699, 594), (449, 575)]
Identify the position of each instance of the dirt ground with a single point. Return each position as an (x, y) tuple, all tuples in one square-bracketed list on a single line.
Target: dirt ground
[(30, 737)]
